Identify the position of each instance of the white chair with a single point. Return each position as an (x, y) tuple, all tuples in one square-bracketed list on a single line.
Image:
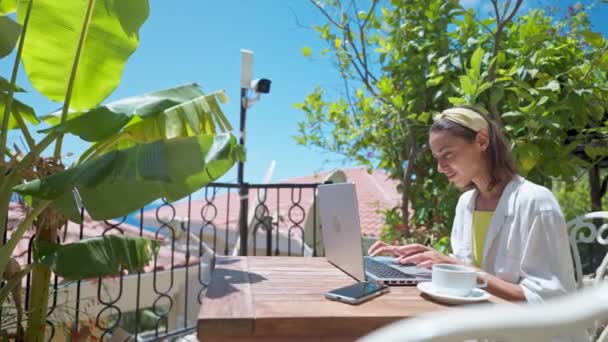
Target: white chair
[(569, 316), (583, 230)]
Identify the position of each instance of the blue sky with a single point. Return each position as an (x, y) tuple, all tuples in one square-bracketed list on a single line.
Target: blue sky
[(199, 41)]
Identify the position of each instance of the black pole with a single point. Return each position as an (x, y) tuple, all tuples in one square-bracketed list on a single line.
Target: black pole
[(243, 188)]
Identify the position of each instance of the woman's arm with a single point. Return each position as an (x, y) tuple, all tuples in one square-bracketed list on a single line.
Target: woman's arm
[(546, 268), (424, 256), (504, 289)]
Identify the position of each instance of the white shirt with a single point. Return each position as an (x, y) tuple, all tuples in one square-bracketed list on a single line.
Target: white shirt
[(527, 242)]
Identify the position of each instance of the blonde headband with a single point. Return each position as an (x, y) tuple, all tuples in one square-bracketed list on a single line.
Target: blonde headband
[(465, 117)]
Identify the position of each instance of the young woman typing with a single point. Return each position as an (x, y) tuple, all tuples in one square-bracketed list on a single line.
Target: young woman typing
[(504, 225)]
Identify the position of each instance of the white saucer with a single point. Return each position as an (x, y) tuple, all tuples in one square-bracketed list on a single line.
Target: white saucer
[(477, 295)]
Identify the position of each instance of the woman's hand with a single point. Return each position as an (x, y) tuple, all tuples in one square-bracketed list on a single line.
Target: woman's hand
[(427, 259), (422, 256), (398, 251)]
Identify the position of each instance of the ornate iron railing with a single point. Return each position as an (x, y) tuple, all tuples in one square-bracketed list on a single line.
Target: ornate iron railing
[(160, 303)]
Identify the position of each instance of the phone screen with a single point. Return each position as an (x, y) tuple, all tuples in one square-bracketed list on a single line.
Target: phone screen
[(358, 290)]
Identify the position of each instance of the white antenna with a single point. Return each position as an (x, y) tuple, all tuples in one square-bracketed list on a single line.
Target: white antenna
[(246, 68), (269, 172)]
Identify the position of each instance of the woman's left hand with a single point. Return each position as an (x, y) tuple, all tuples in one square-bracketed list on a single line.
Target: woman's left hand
[(427, 259)]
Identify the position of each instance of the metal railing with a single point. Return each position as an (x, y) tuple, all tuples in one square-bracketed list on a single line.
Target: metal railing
[(160, 304)]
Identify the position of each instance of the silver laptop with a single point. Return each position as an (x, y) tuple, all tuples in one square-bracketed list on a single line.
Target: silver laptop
[(339, 213)]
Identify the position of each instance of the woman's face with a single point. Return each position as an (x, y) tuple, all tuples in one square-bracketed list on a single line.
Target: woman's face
[(461, 161)]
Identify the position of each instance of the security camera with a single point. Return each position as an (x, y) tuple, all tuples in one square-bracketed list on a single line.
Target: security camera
[(261, 85)]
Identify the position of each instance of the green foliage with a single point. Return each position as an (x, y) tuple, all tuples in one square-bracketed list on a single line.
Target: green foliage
[(122, 181), (574, 197), (181, 111), (7, 6), (103, 255), (542, 79), (161, 144), (108, 41)]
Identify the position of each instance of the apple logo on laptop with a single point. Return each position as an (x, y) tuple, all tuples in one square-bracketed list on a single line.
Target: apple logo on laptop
[(337, 225)]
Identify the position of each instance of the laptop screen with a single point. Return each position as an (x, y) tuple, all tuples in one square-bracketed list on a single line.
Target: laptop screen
[(341, 230)]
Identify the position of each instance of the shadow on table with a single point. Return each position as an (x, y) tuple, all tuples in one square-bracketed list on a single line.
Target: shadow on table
[(223, 280)]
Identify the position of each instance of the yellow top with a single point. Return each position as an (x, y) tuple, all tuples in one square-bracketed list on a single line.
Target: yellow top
[(481, 223)]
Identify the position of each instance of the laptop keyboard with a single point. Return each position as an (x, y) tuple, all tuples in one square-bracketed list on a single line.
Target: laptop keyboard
[(381, 270)]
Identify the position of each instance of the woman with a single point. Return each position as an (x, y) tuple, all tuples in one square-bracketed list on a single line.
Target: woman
[(504, 225)]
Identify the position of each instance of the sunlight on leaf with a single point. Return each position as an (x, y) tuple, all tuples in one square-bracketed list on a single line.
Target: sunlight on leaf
[(54, 31)]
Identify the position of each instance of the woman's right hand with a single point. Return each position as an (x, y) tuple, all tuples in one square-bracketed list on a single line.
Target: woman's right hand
[(398, 251)]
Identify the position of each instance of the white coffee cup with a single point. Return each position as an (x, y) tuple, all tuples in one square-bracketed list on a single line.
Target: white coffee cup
[(456, 280)]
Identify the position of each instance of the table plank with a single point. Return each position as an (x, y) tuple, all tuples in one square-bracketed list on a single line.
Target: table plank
[(228, 301), (274, 298)]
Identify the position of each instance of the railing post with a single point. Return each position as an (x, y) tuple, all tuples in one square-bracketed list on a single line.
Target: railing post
[(243, 187), (244, 197)]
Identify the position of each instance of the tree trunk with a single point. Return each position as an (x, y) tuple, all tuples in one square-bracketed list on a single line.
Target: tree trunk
[(407, 187), (597, 251), (47, 227), (595, 188)]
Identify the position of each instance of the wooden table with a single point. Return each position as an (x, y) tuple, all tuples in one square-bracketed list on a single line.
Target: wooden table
[(282, 298)]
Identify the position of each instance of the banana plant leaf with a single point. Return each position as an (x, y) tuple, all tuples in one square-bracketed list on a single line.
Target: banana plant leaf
[(166, 114), (102, 256), (9, 34), (7, 6), (19, 107), (54, 31), (5, 86), (122, 181)]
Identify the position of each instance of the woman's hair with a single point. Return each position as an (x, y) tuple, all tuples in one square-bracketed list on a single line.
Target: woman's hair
[(500, 163)]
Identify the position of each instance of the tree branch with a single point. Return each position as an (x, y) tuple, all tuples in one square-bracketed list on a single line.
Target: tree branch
[(597, 59), (295, 16), (331, 20), (501, 23), (350, 102), (362, 63), (362, 35), (484, 26)]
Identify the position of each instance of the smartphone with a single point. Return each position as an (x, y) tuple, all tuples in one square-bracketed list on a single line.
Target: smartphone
[(357, 293)]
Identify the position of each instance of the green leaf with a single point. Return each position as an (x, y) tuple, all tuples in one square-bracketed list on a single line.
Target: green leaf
[(20, 108), (398, 101), (5, 86), (176, 112), (103, 256), (476, 63), (594, 39), (457, 101), (338, 43), (595, 152), (53, 34), (306, 51), (9, 34), (119, 182), (511, 114), (385, 85), (467, 85), (553, 85), (434, 81), (496, 94), (528, 155), (483, 87), (7, 6)]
